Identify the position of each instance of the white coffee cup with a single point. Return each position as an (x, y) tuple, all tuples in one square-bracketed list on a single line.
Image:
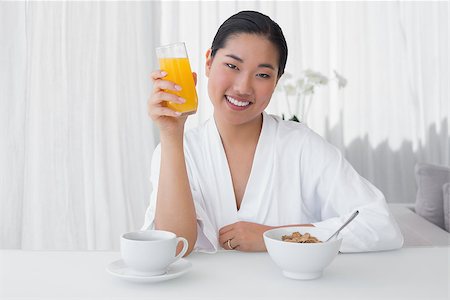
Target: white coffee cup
[(151, 252)]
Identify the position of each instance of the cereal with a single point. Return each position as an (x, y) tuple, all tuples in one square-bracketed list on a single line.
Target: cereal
[(297, 237)]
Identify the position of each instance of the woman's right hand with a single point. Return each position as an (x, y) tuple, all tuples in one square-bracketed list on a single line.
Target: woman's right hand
[(168, 120)]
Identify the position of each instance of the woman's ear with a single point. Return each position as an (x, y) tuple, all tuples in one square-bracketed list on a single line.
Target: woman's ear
[(208, 62)]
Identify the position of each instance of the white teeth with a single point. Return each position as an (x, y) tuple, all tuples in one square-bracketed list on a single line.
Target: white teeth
[(236, 102)]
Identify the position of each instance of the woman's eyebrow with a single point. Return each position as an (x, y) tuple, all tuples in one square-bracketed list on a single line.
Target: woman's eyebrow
[(241, 60)]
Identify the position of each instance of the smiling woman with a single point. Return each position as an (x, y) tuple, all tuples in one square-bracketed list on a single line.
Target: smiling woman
[(242, 77), (244, 171)]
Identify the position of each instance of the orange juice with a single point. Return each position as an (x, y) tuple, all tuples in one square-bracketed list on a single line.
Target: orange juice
[(179, 71)]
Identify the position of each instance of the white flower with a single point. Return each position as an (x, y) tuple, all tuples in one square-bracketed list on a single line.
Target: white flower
[(300, 91), (315, 78), (290, 89), (300, 82), (282, 81), (307, 89)]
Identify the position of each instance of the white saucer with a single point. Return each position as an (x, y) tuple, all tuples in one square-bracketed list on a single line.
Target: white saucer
[(119, 269)]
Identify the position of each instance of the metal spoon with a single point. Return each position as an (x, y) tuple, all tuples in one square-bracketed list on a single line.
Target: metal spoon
[(345, 224)]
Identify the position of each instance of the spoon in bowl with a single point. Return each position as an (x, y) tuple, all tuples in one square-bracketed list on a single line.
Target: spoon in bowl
[(345, 224)]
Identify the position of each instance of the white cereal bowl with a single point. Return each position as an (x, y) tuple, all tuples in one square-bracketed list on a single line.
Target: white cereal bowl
[(301, 260)]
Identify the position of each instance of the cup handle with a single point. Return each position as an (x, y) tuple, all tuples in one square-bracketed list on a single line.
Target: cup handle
[(185, 247)]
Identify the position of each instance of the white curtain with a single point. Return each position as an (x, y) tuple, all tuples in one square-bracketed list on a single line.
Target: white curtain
[(76, 142)]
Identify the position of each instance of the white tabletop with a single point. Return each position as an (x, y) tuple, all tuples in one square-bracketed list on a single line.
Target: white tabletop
[(409, 273)]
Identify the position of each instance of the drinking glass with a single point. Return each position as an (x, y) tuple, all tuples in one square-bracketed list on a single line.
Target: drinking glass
[(174, 60)]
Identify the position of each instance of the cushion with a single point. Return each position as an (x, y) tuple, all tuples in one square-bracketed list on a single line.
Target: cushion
[(446, 194), (429, 200)]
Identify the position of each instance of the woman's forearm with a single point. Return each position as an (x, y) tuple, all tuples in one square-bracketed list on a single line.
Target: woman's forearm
[(175, 210)]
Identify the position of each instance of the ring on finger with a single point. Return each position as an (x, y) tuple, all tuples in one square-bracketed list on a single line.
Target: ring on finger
[(229, 244)]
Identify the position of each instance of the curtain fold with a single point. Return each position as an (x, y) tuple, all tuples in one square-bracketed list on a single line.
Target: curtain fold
[(12, 123), (76, 141)]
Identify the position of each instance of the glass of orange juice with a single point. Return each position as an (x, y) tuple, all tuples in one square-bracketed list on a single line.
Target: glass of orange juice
[(174, 60)]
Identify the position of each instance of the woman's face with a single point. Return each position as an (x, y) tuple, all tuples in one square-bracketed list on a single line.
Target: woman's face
[(241, 78)]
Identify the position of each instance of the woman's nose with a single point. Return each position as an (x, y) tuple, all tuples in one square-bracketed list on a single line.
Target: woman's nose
[(243, 85)]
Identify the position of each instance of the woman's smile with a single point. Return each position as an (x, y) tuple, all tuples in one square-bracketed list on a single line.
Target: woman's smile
[(236, 103)]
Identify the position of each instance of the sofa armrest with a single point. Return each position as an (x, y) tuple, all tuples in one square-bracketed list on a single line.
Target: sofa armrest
[(417, 231)]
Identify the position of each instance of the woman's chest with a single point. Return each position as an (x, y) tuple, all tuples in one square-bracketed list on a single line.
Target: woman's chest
[(240, 166)]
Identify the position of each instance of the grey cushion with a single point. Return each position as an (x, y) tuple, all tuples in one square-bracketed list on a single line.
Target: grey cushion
[(429, 201), (446, 192)]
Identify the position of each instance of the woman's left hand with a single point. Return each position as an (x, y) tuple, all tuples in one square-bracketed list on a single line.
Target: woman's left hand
[(243, 236)]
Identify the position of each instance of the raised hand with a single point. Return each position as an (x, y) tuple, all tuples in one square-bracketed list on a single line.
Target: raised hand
[(166, 119)]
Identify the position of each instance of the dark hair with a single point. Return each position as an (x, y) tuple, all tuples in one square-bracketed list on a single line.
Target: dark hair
[(252, 22)]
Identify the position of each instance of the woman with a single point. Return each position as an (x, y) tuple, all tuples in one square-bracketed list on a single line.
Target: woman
[(243, 172)]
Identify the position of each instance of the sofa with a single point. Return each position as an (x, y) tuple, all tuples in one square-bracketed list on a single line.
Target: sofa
[(433, 194)]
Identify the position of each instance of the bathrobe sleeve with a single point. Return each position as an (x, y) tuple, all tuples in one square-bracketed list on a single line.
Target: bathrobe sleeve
[(340, 190), (206, 235)]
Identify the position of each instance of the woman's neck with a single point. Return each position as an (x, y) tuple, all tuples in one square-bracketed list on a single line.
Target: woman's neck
[(242, 134)]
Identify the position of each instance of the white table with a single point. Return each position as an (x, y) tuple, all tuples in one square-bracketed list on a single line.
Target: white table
[(409, 273)]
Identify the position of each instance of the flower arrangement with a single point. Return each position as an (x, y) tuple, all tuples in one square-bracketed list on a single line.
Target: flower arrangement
[(301, 91)]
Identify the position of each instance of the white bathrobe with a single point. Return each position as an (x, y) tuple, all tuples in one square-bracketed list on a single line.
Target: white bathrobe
[(296, 178)]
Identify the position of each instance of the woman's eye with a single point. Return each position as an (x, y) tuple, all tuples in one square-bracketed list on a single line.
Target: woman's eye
[(263, 75), (231, 66)]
